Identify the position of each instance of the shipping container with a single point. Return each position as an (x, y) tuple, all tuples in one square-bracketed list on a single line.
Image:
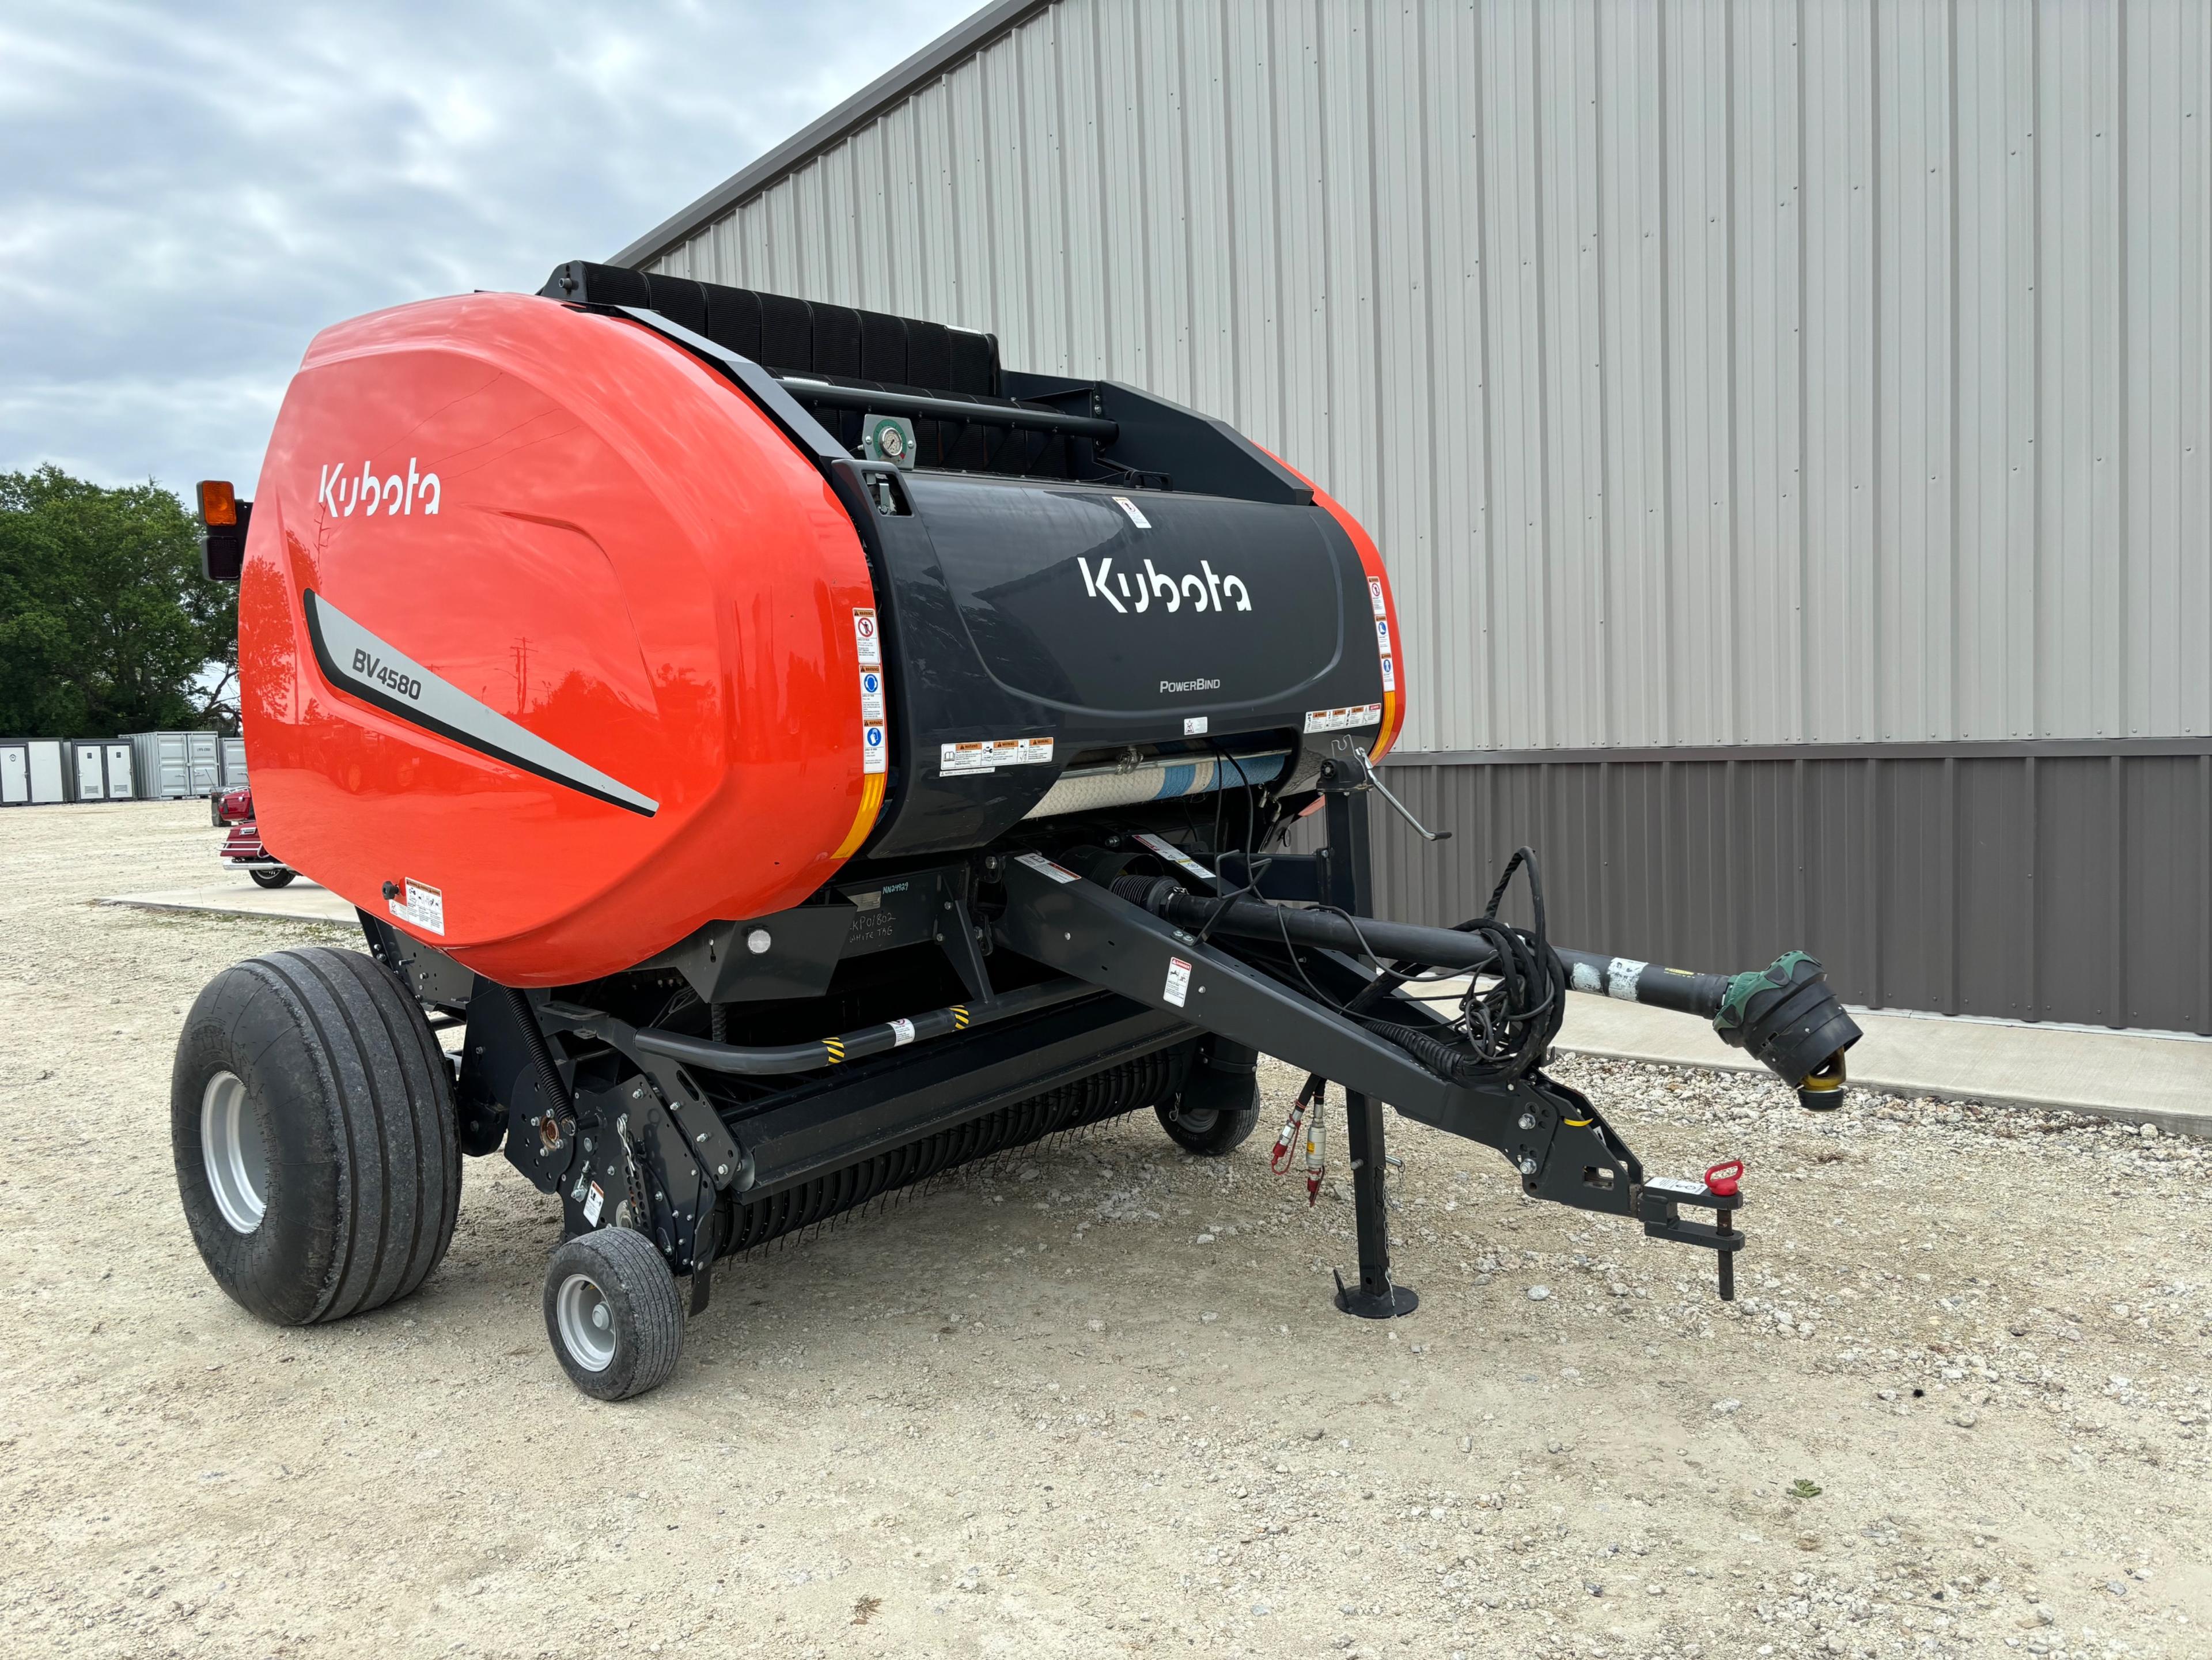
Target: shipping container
[(206, 750), (172, 765)]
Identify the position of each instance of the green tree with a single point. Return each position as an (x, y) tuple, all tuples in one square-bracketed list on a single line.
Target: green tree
[(107, 625)]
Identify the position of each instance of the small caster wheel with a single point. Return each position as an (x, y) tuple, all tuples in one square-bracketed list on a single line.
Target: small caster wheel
[(1209, 1131), (613, 1313), (1218, 1106)]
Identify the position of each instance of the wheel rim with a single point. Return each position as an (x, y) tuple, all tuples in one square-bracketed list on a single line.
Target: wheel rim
[(236, 1157), (1197, 1121), (587, 1323)]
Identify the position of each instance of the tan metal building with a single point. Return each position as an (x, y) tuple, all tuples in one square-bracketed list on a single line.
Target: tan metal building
[(1789, 426)]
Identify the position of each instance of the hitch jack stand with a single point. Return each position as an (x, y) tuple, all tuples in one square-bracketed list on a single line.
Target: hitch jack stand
[(1347, 882), (1375, 1298)]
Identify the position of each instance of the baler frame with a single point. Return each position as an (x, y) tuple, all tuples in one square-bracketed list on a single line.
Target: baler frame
[(555, 1077)]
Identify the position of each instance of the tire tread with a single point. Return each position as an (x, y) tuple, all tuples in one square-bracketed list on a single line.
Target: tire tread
[(391, 1118), (627, 1264)]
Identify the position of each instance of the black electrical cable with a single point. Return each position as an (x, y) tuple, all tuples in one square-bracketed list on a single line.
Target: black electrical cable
[(1507, 1027), (1504, 1028), (1252, 866)]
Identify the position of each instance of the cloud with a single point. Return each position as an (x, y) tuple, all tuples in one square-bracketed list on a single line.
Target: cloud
[(191, 192)]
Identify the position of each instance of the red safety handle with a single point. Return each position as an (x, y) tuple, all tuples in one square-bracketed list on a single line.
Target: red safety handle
[(1721, 1179)]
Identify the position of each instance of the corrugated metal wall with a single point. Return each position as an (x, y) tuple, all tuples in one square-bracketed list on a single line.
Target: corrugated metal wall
[(1709, 371), (1992, 880), (1834, 377)]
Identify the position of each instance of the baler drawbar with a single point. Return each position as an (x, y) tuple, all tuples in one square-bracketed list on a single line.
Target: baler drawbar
[(778, 755)]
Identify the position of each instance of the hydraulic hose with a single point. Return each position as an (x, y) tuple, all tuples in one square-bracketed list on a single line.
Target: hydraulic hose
[(711, 1056), (1785, 1016)]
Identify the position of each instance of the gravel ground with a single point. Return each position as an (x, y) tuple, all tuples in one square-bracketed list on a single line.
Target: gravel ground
[(1094, 1401)]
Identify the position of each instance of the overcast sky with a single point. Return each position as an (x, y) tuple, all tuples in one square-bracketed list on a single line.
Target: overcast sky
[(187, 193)]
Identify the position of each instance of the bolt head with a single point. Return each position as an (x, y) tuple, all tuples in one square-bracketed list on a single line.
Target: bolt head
[(1527, 1120), (1527, 1167)]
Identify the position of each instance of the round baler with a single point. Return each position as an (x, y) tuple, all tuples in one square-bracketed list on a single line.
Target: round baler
[(779, 755), (540, 615)]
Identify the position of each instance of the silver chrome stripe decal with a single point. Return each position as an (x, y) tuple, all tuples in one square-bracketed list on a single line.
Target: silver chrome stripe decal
[(362, 664)]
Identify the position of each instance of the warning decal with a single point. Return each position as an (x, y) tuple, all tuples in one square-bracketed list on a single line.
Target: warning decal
[(866, 639), (1044, 866), (988, 754), (875, 749), (1365, 715), (421, 905), (1375, 594), (1178, 986), (1136, 514), (1174, 855)]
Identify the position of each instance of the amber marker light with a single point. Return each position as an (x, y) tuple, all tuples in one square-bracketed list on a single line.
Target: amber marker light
[(218, 502)]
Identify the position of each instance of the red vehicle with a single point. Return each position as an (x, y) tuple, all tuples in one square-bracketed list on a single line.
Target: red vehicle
[(234, 809)]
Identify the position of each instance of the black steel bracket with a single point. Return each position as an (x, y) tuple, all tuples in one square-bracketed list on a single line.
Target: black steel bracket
[(633, 1169), (1058, 918), (964, 944), (705, 1137)]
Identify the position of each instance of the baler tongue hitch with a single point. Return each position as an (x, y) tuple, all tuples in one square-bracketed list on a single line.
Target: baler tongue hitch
[(1276, 954)]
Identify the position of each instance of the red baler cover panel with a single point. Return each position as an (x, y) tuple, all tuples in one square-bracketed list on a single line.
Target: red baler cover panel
[(550, 641)]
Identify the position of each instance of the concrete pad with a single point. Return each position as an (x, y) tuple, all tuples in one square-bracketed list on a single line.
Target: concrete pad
[(2130, 1077), (235, 895)]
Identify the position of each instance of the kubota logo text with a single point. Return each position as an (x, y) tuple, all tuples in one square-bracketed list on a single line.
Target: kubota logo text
[(341, 491), (1209, 593)]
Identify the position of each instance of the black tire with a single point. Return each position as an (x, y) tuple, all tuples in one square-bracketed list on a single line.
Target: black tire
[(616, 1287), (1217, 1109), (335, 1078), (270, 876)]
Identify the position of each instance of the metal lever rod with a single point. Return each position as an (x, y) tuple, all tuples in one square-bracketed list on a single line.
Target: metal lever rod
[(1374, 780)]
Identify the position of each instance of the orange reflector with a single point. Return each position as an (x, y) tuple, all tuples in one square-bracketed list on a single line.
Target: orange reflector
[(218, 502)]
